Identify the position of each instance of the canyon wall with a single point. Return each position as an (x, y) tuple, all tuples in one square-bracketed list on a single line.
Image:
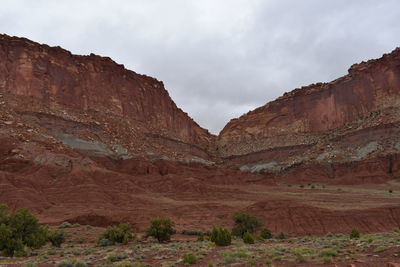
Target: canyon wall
[(94, 83), (349, 119)]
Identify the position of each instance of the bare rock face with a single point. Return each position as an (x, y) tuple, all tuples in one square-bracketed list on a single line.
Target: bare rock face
[(347, 120), (97, 84)]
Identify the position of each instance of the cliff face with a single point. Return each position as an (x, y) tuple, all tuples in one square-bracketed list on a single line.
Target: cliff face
[(95, 84), (349, 119)]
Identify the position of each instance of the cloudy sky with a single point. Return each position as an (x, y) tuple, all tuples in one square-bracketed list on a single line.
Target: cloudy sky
[(218, 58)]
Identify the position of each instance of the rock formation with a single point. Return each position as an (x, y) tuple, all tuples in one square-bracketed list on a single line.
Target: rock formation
[(326, 125), (85, 140), (97, 84)]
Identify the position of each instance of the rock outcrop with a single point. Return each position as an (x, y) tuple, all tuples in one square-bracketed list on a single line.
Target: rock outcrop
[(61, 80), (351, 119)]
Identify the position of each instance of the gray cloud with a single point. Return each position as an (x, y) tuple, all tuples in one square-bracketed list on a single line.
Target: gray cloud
[(218, 59)]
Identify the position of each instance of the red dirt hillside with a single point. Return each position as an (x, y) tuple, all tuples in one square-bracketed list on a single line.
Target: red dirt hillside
[(84, 140)]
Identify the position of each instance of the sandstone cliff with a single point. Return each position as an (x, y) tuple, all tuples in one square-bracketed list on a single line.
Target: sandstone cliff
[(347, 120), (92, 83)]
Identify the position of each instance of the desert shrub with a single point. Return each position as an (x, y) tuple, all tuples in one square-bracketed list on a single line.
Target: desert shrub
[(120, 234), (245, 222), (221, 237), (300, 258), (327, 260), (65, 225), (56, 237), (380, 249), (390, 191), (328, 252), (252, 262), (161, 229), (248, 238), (355, 233), (189, 258), (267, 261), (281, 236), (104, 242), (19, 230), (266, 233), (116, 257), (202, 238)]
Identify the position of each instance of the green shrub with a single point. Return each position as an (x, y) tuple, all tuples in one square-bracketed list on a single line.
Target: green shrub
[(19, 230), (327, 259), (189, 258), (120, 234), (104, 242), (56, 237), (116, 257), (161, 229), (281, 236), (65, 225), (380, 249), (355, 233), (328, 252), (244, 222), (266, 233), (248, 238), (252, 262), (221, 237), (267, 261)]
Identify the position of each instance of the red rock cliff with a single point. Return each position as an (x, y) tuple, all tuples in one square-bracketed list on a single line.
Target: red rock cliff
[(93, 83), (301, 116)]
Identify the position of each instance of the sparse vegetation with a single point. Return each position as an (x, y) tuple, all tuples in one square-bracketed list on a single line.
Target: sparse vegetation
[(120, 234), (294, 250), (56, 237), (244, 222), (380, 249), (161, 229), (221, 237), (266, 233), (20, 230), (354, 234), (281, 236), (189, 259), (248, 238), (328, 252), (327, 260)]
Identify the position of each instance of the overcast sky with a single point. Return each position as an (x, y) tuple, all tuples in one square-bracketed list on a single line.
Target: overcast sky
[(218, 58)]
